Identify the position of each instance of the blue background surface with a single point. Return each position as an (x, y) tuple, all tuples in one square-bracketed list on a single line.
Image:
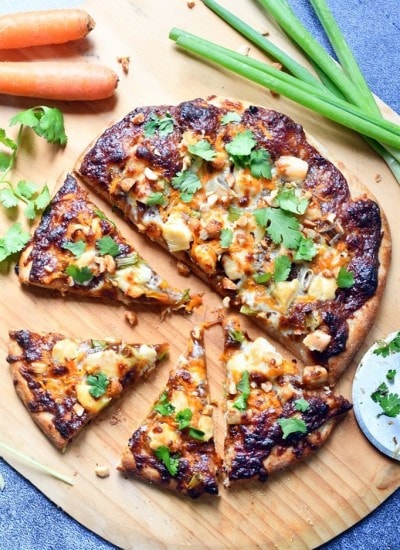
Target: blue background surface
[(28, 520)]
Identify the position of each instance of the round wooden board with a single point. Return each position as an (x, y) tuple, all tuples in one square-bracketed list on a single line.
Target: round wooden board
[(304, 506)]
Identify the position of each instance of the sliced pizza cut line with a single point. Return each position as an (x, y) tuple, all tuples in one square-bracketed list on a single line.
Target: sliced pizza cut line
[(242, 195), (174, 446), (76, 249), (66, 382), (277, 412)]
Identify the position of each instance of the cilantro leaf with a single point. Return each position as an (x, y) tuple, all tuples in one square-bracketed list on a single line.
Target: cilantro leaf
[(170, 462), (46, 122), (281, 226), (230, 116), (26, 189), (244, 387), (202, 149), (306, 250), (163, 406), (390, 405), (98, 384), (390, 375), (7, 198), (106, 245), (301, 405), (226, 237), (282, 267), (43, 198), (6, 141), (155, 198), (289, 201), (164, 125), (13, 241), (380, 392), (79, 275), (103, 217), (183, 418), (292, 425), (187, 183), (241, 145), (345, 279), (260, 164), (77, 248), (29, 211), (389, 347)]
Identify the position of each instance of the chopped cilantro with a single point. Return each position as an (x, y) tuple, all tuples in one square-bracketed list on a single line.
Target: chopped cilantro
[(107, 246), (282, 267), (289, 201), (164, 125), (79, 275), (292, 425), (230, 116), (241, 145), (380, 392), (98, 384), (163, 406), (77, 248), (183, 418), (102, 216), (262, 278), (387, 348), (306, 250), (345, 278), (390, 375), (280, 225), (260, 164), (195, 433), (226, 238), (202, 149), (244, 387), (301, 405), (169, 461), (13, 241), (390, 405), (155, 198), (187, 183)]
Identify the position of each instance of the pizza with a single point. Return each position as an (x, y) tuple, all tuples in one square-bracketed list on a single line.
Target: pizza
[(248, 200), (66, 382), (174, 446), (76, 249), (277, 411)]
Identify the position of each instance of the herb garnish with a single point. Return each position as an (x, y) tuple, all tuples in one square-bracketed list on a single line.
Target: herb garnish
[(163, 406), (155, 198), (230, 116), (107, 246), (98, 384), (79, 275), (292, 425), (390, 375), (282, 267), (164, 125), (202, 149), (226, 237), (281, 226), (187, 183), (243, 154), (169, 461), (301, 404), (77, 248), (244, 387), (389, 402), (289, 201), (387, 348), (345, 278), (13, 241)]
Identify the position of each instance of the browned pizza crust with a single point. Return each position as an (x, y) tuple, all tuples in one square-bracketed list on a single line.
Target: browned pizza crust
[(53, 384), (125, 164)]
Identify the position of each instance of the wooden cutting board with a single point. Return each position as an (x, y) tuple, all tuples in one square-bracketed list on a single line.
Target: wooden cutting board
[(301, 508)]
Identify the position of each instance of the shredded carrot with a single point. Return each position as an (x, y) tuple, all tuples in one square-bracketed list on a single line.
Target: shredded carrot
[(69, 81), (38, 28)]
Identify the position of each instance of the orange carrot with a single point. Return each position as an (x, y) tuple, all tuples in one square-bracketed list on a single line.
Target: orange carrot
[(37, 28), (69, 81)]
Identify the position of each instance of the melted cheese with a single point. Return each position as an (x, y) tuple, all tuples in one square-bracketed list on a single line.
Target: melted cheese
[(163, 435), (65, 349), (285, 292), (322, 288), (88, 402)]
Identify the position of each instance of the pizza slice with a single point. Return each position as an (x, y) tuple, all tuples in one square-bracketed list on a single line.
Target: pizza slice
[(76, 249), (277, 412), (174, 446), (66, 382)]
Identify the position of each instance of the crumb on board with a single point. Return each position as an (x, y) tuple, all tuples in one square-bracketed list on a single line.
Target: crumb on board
[(244, 49), (182, 268), (378, 178), (190, 5), (131, 317), (102, 471), (124, 62)]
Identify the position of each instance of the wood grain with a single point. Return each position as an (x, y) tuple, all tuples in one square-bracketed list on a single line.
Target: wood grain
[(302, 507)]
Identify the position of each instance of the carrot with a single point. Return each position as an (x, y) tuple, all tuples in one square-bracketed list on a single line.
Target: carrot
[(38, 28), (69, 81)]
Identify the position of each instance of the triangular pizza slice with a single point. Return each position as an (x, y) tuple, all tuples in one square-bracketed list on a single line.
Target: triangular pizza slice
[(174, 446), (77, 249), (65, 382), (277, 411)]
